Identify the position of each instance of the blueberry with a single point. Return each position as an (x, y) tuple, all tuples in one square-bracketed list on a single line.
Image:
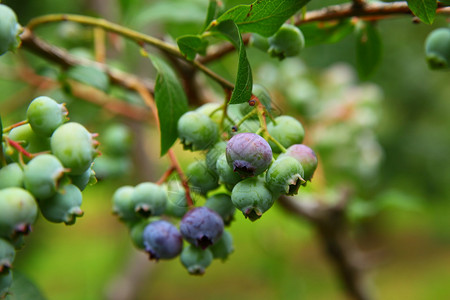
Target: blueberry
[(64, 206), (162, 240), (437, 49), (45, 115), (11, 175), (6, 279), (18, 211), (117, 139), (201, 226), (73, 145), (176, 203), (28, 139), (306, 157), (149, 199), (224, 247), (221, 204), (252, 197), (196, 260), (226, 174), (197, 131), (42, 175), (248, 154), (285, 176), (123, 206), (9, 30), (201, 178), (7, 255), (213, 155), (82, 181), (287, 41), (137, 233), (287, 131)]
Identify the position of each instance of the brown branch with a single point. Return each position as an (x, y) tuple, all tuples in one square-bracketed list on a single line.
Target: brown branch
[(348, 10), (333, 231), (66, 60)]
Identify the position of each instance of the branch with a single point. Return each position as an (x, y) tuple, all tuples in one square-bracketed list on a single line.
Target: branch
[(348, 10), (330, 223)]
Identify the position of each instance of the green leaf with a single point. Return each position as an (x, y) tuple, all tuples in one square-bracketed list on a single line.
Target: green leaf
[(244, 81), (368, 49), (90, 76), (326, 33), (214, 10), (425, 10), (190, 45), (170, 101), (262, 17)]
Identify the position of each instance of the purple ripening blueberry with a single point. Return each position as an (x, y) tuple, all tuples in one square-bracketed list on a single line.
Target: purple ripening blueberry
[(248, 154), (162, 240)]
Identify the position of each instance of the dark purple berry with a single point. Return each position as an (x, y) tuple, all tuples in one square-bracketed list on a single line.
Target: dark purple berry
[(201, 226), (248, 154), (162, 240)]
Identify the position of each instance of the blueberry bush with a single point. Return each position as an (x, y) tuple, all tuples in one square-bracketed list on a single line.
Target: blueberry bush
[(222, 92)]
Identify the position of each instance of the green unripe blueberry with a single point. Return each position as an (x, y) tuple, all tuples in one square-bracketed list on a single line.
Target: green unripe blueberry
[(305, 156), (83, 180), (123, 206), (252, 197), (64, 206), (73, 145), (287, 41), (18, 211), (213, 155), (223, 247), (45, 115), (176, 203), (107, 166), (287, 131), (197, 131), (226, 174), (437, 49), (136, 233), (6, 279), (11, 175), (201, 178), (196, 260), (149, 199), (7, 255), (42, 174), (285, 176), (28, 139), (117, 139), (222, 204), (9, 30)]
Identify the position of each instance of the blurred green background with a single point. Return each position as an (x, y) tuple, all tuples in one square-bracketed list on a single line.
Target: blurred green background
[(398, 165)]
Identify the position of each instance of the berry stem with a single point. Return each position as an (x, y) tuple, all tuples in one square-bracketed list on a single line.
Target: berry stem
[(225, 108), (166, 175), (9, 128), (19, 148), (246, 117), (183, 178)]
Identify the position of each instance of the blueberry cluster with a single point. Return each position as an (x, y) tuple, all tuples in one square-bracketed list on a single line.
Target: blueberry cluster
[(251, 159), (45, 164), (149, 209)]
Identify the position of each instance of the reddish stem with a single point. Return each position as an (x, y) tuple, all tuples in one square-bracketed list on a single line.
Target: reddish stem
[(9, 128), (166, 175), (183, 178), (19, 148)]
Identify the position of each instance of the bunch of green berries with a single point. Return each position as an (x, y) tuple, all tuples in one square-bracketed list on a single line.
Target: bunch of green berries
[(45, 164), (250, 159)]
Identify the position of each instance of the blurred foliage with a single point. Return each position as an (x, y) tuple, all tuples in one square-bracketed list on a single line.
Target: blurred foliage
[(387, 138)]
